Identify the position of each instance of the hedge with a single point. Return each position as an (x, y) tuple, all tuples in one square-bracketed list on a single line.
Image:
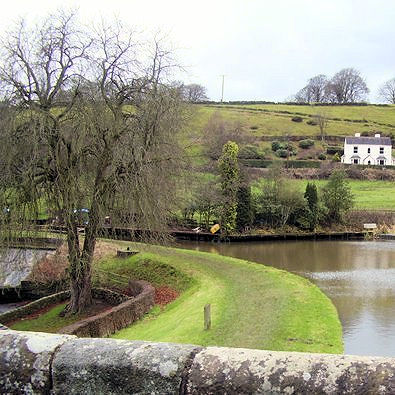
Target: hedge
[(334, 150), (296, 164)]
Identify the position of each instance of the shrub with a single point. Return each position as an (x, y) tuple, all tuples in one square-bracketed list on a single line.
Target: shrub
[(305, 144), (334, 150), (297, 119), (254, 127), (312, 122), (250, 152), (321, 156), (336, 157), (282, 153), (355, 172), (276, 146), (337, 196)]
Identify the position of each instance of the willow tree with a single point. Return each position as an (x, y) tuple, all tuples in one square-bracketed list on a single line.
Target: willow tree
[(95, 126)]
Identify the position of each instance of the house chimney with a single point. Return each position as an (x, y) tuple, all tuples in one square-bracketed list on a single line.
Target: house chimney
[(377, 135), (357, 134)]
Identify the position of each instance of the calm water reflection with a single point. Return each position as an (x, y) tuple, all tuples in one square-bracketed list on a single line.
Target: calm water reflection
[(359, 277)]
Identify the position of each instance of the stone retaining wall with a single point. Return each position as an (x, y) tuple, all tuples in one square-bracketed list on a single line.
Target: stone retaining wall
[(46, 243), (32, 307), (62, 364), (116, 318), (126, 310)]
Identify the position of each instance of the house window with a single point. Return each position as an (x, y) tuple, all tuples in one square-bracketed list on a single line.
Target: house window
[(368, 150), (369, 162), (356, 161), (381, 150), (355, 150), (381, 162)]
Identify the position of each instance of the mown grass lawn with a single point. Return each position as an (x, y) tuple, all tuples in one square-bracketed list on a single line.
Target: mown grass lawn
[(252, 305), (368, 195), (47, 322)]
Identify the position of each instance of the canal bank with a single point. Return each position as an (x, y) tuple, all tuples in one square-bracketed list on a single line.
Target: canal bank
[(358, 276), (252, 306)]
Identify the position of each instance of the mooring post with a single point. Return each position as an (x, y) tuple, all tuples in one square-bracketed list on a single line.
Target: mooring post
[(207, 316)]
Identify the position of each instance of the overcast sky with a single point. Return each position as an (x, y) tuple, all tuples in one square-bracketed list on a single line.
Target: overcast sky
[(267, 50)]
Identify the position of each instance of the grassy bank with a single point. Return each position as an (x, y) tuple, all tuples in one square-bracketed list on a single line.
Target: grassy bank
[(253, 306)]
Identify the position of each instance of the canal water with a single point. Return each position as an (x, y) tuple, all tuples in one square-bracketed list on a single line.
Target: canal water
[(359, 277)]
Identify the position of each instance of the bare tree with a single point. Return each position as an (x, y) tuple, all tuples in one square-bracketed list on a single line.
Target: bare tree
[(110, 147), (303, 96), (347, 86), (218, 132), (387, 91), (314, 91), (317, 86), (322, 121), (195, 93)]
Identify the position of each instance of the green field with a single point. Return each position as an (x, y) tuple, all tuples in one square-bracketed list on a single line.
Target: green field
[(276, 119), (370, 195)]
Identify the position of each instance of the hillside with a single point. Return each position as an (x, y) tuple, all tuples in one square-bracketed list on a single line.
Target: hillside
[(276, 119)]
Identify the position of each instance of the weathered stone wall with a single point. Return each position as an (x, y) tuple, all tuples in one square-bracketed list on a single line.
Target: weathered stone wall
[(42, 363), (126, 310), (116, 318), (32, 307)]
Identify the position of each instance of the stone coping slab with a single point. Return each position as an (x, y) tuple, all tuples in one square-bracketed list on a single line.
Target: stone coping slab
[(60, 364)]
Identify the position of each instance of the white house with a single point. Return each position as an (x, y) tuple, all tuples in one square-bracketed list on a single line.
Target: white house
[(368, 150)]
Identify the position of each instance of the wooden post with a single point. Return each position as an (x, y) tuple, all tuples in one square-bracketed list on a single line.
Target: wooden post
[(207, 317)]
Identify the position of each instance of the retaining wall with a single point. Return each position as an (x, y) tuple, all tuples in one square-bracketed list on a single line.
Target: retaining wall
[(126, 310), (62, 364), (116, 318)]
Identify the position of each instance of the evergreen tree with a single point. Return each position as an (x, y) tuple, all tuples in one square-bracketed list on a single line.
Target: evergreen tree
[(229, 174), (311, 195), (245, 209)]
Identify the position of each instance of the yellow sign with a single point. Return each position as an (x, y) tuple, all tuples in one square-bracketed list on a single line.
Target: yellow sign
[(214, 228)]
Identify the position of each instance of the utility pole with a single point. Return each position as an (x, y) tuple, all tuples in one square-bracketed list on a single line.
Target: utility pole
[(223, 82)]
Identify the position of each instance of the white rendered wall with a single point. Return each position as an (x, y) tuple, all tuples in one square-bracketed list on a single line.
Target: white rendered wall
[(363, 153)]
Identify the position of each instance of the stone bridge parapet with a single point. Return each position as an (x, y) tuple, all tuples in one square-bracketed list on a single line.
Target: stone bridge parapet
[(63, 364)]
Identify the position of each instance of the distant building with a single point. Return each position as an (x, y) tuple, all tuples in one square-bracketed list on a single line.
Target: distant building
[(368, 150)]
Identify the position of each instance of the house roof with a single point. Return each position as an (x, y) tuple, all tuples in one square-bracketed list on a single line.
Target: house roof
[(369, 140)]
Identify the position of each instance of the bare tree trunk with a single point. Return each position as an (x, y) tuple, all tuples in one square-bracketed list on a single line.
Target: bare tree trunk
[(80, 272), (81, 265)]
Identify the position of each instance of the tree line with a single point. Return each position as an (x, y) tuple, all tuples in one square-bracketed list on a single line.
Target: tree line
[(275, 203), (346, 86)]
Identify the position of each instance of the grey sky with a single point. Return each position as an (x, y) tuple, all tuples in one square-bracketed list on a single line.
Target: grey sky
[(266, 49)]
